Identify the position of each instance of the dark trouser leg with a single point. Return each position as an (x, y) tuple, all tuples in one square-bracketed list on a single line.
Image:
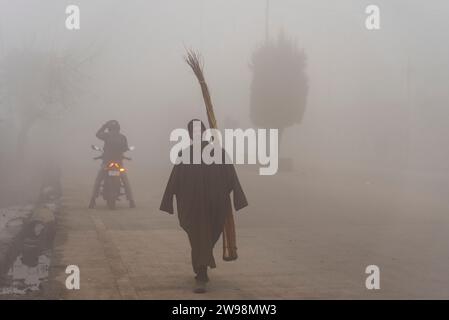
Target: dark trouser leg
[(202, 274), (194, 253), (96, 189), (128, 192), (198, 262)]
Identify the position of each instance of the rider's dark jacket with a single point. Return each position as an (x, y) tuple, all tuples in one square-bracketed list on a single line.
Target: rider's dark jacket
[(115, 144)]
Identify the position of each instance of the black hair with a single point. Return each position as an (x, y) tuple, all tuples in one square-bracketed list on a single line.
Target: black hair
[(190, 127)]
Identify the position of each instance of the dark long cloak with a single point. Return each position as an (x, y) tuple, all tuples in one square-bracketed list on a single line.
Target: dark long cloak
[(203, 201)]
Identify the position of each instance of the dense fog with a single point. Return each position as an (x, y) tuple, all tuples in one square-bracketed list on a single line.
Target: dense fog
[(362, 118)]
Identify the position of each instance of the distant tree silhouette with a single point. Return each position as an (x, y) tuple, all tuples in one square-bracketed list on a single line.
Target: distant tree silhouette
[(35, 85), (279, 86)]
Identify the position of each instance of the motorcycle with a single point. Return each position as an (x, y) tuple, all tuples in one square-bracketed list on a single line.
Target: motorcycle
[(112, 186)]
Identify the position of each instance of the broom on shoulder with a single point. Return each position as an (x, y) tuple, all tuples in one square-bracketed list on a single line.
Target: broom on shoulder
[(193, 59)]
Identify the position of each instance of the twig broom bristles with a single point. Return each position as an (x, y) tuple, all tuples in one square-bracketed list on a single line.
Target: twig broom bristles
[(193, 59)]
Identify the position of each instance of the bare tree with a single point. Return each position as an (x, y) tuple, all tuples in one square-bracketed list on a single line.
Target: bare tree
[(35, 85)]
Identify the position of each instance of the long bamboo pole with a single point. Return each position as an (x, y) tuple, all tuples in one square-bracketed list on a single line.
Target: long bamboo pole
[(193, 59)]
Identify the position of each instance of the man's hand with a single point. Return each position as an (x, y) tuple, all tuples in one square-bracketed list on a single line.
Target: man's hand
[(101, 132), (106, 125)]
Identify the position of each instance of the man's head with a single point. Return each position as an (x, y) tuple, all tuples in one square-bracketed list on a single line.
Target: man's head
[(113, 126), (196, 129)]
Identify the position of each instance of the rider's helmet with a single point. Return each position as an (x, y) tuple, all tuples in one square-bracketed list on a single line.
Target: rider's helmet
[(113, 126)]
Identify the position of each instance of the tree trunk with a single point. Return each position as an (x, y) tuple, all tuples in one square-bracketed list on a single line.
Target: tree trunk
[(22, 139), (267, 21)]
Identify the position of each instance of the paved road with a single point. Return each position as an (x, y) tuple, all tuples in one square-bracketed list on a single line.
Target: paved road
[(303, 236)]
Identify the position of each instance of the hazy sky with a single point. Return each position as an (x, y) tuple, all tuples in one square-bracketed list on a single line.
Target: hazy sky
[(376, 97)]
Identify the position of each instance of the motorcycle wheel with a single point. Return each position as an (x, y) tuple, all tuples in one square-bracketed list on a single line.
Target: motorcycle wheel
[(110, 191), (111, 202)]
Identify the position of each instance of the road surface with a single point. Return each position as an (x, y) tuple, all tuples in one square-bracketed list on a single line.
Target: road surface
[(305, 235)]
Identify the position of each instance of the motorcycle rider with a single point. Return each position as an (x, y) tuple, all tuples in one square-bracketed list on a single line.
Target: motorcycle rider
[(115, 144)]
